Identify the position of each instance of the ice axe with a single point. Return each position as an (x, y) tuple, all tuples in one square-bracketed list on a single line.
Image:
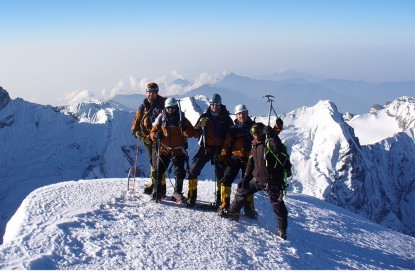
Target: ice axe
[(270, 100)]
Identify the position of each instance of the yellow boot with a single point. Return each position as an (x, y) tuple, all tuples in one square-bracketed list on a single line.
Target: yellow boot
[(149, 188), (225, 193), (192, 192)]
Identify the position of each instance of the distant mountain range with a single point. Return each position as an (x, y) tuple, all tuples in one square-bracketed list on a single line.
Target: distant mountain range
[(291, 90)]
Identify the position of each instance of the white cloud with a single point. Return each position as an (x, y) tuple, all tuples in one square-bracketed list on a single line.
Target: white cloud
[(134, 85), (177, 75), (167, 88), (78, 96)]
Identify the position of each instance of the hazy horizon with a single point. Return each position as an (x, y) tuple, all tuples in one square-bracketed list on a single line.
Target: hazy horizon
[(53, 50)]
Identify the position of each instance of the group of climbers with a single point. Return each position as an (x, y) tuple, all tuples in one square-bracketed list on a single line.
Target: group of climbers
[(231, 146)]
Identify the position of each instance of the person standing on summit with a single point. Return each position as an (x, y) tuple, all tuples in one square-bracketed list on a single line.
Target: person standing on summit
[(170, 131), (145, 116), (211, 127), (234, 155), (264, 171)]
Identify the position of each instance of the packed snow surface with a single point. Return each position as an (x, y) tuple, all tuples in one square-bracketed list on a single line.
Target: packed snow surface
[(97, 224)]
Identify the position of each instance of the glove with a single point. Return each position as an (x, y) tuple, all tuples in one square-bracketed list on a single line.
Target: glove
[(146, 139), (158, 135), (203, 121)]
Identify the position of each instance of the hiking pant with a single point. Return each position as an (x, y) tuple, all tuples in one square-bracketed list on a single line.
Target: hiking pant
[(232, 169), (275, 193), (163, 163), (199, 161), (150, 149), (235, 164)]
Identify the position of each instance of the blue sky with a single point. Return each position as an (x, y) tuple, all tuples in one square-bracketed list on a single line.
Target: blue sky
[(49, 48)]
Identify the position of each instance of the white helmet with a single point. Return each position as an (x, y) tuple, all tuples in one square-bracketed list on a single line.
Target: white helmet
[(240, 108), (170, 102)]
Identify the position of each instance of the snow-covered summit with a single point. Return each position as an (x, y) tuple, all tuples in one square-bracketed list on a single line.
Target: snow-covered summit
[(96, 224), (95, 112)]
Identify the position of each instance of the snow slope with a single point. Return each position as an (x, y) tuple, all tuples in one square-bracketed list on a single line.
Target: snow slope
[(97, 224)]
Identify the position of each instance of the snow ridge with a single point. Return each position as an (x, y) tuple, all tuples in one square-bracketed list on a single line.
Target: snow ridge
[(96, 224)]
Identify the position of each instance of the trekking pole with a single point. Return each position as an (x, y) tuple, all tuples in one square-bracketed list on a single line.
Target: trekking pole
[(130, 171), (184, 138), (216, 178), (156, 184), (269, 100), (136, 162)]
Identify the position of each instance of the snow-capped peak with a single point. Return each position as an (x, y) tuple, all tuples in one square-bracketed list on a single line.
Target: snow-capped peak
[(380, 123)]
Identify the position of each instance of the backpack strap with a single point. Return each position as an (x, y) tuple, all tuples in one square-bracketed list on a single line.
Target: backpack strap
[(285, 172)]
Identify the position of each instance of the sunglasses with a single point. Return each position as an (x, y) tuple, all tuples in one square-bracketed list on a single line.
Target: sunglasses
[(214, 104)]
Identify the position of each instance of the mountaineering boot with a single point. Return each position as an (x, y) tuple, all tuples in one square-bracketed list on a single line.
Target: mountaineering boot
[(231, 214), (282, 233), (225, 200), (177, 194), (157, 195), (158, 190), (234, 210), (249, 208), (149, 188), (192, 192)]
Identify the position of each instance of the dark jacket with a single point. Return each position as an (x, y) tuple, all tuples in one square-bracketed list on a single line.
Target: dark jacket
[(268, 169), (238, 141), (216, 127)]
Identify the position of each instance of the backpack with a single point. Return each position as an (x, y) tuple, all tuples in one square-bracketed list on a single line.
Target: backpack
[(283, 158)]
